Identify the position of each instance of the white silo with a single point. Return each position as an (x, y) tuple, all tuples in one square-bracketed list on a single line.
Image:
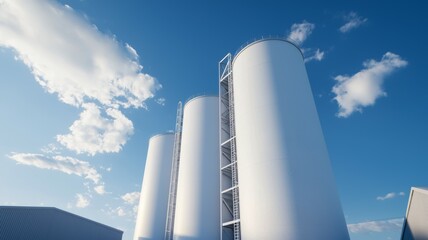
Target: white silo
[(286, 184), (198, 200), (152, 209)]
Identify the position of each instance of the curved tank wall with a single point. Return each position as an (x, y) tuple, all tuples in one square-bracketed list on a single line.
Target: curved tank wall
[(197, 214), (153, 206), (286, 184)]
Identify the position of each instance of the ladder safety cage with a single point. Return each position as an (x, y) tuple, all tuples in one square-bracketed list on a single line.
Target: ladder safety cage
[(229, 190)]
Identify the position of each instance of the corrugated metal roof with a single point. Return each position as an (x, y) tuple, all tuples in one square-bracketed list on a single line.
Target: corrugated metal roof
[(46, 223)]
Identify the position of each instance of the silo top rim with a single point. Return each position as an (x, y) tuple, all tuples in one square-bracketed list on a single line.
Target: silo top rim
[(420, 189), (200, 96), (162, 134), (267, 39)]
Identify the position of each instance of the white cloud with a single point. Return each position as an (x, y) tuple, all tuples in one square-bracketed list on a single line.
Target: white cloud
[(120, 212), (81, 201), (389, 196), (376, 226), (317, 56), (93, 133), (63, 164), (51, 149), (100, 189), (352, 21), (161, 101), (298, 34), (131, 198), (135, 209), (70, 57), (300, 31), (130, 208), (88, 188), (132, 51), (363, 88), (108, 169)]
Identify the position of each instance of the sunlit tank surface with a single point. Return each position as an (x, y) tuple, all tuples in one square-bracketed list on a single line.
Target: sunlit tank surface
[(286, 184), (152, 210), (197, 213), (416, 221)]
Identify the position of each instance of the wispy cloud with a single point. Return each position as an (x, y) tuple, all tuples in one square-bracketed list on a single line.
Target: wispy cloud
[(108, 169), (93, 133), (66, 165), (300, 31), (118, 211), (376, 226), (363, 88), (100, 189), (82, 201), (123, 211), (316, 55), (63, 164), (389, 196), (135, 210), (352, 21), (128, 208), (131, 198), (161, 101), (51, 149), (71, 58)]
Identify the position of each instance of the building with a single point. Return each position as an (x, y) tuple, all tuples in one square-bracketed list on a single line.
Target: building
[(49, 223), (416, 222)]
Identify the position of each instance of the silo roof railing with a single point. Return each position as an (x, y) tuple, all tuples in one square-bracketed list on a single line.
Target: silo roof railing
[(268, 38)]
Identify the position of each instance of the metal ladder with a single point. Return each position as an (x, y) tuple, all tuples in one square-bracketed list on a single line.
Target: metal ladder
[(235, 193), (169, 229)]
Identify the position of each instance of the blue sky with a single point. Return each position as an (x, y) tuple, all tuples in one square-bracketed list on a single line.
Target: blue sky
[(84, 84)]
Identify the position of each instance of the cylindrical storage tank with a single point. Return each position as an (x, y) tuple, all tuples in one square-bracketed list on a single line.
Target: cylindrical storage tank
[(153, 207), (286, 184), (197, 214)]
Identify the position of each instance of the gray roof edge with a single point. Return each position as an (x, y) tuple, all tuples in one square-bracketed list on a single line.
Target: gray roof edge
[(64, 212)]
